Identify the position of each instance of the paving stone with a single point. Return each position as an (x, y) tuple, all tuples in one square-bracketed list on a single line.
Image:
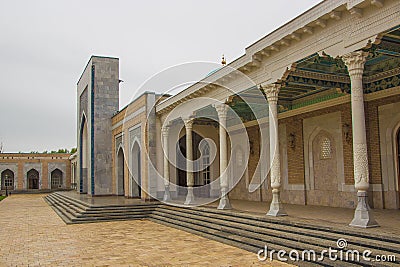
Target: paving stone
[(33, 235)]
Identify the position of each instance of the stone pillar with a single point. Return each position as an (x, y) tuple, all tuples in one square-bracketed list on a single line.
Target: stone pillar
[(355, 64), (276, 207), (164, 132), (224, 203), (189, 161)]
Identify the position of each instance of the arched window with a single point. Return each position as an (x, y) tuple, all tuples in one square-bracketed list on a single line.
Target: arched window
[(205, 153), (325, 148), (7, 178)]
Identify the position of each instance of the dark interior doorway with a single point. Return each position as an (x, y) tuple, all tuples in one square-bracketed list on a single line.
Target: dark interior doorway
[(33, 179)]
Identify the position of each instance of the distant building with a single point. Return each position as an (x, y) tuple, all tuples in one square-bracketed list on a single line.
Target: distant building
[(35, 172)]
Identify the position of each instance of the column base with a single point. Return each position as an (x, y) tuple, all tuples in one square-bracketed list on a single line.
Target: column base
[(224, 203), (189, 197), (362, 215), (276, 208), (167, 194)]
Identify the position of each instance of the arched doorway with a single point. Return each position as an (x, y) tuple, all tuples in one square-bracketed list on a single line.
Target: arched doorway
[(120, 172), (83, 156), (7, 180), (33, 179), (56, 179), (136, 171), (181, 163)]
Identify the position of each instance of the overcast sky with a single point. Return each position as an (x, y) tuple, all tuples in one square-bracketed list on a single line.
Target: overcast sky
[(44, 46)]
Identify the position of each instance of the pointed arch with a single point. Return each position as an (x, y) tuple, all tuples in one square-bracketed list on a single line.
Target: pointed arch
[(136, 170), (205, 162), (83, 155), (7, 179), (33, 179), (120, 171), (56, 179)]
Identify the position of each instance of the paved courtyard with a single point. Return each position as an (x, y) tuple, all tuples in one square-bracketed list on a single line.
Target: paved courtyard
[(32, 234)]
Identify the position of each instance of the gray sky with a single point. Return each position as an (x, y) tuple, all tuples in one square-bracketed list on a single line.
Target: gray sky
[(44, 46)]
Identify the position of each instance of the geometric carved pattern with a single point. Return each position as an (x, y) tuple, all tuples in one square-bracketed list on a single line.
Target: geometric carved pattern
[(361, 172), (325, 148)]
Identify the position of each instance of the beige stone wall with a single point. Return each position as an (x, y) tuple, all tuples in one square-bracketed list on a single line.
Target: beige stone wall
[(140, 119)]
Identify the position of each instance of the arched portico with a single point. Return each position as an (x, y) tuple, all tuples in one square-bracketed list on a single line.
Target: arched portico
[(199, 179)]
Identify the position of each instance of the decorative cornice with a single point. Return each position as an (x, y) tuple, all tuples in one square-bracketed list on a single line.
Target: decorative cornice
[(321, 76), (382, 75)]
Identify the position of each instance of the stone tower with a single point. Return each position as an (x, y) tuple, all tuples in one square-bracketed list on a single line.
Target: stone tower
[(97, 102)]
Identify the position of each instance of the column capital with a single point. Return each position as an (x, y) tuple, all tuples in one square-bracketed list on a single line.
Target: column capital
[(188, 122), (222, 110), (355, 62), (271, 91)]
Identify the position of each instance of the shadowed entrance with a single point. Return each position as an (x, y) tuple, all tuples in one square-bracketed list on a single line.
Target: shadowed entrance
[(136, 172), (33, 179), (200, 178)]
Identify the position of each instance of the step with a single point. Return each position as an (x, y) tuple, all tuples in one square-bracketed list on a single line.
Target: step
[(76, 202), (111, 212), (64, 208), (66, 217), (109, 219), (390, 245), (247, 231), (286, 222), (71, 206), (240, 242), (255, 238)]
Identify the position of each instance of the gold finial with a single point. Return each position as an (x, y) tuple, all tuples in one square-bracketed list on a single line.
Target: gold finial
[(223, 62)]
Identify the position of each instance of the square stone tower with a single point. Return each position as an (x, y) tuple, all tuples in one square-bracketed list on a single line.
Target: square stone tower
[(97, 102)]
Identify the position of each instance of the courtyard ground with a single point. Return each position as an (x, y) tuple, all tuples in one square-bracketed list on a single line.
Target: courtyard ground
[(32, 234)]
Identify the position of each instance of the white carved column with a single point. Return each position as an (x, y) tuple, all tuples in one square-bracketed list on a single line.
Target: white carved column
[(272, 92), (164, 132), (189, 161), (222, 111), (355, 64)]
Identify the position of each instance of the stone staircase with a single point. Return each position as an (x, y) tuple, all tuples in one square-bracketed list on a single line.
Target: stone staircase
[(247, 231), (72, 210)]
